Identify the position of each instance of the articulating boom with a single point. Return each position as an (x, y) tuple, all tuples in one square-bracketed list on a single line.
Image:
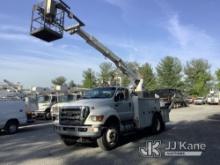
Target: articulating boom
[(51, 21)]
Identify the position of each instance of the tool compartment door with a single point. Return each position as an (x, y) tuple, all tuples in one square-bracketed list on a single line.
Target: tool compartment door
[(144, 109), (165, 111)]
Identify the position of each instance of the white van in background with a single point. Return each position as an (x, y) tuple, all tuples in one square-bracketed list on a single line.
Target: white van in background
[(12, 114), (213, 97)]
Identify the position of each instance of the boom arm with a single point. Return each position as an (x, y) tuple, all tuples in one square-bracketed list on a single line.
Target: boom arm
[(106, 52), (13, 86)]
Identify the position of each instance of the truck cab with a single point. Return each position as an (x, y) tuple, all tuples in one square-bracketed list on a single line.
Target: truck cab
[(46, 102), (44, 105)]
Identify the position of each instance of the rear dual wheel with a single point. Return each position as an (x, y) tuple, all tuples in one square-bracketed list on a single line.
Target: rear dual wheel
[(158, 124)]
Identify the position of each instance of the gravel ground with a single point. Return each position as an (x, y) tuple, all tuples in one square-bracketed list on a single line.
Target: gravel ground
[(39, 144)]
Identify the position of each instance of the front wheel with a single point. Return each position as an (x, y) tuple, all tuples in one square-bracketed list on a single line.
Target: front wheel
[(11, 127), (109, 139)]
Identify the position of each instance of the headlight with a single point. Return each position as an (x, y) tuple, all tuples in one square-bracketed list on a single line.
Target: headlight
[(97, 117)]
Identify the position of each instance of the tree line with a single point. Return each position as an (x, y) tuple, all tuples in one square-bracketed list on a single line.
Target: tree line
[(194, 78)]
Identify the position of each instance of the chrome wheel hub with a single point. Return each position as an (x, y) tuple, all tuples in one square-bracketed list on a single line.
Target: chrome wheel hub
[(111, 136)]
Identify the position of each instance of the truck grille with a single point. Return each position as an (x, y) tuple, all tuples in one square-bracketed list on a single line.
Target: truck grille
[(73, 116)]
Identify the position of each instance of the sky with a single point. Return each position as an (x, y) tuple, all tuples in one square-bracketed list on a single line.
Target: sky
[(136, 30)]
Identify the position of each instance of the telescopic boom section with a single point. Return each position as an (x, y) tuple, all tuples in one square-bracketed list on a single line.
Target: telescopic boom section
[(13, 86), (106, 52)]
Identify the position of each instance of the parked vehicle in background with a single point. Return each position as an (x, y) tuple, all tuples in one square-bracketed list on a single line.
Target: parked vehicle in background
[(46, 98), (30, 107), (12, 114), (45, 103), (213, 97), (167, 95), (200, 101), (189, 100), (9, 92), (63, 99)]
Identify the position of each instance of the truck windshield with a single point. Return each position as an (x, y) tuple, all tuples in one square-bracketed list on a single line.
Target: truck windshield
[(43, 99), (100, 93), (66, 98)]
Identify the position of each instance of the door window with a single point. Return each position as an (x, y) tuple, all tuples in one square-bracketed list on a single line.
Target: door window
[(122, 94)]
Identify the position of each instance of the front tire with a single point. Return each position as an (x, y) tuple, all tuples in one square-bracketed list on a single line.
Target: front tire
[(109, 139), (11, 127)]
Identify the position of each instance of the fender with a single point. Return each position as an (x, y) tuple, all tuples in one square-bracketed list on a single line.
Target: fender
[(106, 111)]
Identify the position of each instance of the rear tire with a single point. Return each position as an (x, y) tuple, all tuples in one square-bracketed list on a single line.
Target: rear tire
[(158, 124), (109, 139), (11, 127)]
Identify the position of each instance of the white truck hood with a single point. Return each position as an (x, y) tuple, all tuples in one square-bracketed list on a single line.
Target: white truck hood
[(88, 102)]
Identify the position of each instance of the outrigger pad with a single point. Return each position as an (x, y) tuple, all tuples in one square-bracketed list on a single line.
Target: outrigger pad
[(46, 34)]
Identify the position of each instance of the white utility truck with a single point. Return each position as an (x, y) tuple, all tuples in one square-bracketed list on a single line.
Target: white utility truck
[(46, 98), (44, 102), (106, 112), (11, 90), (213, 97), (12, 114), (63, 99)]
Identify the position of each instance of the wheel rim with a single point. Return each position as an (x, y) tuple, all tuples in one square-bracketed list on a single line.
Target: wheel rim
[(158, 125), (111, 136), (12, 128), (48, 115)]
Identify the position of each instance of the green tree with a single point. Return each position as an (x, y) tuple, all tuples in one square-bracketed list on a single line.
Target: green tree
[(133, 66), (59, 80), (218, 78), (122, 79), (89, 79), (106, 72), (169, 73), (198, 75), (148, 76)]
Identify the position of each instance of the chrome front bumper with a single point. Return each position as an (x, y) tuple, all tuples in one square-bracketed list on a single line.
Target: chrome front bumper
[(78, 131)]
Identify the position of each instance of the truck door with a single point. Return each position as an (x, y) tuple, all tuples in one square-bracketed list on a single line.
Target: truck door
[(123, 104)]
